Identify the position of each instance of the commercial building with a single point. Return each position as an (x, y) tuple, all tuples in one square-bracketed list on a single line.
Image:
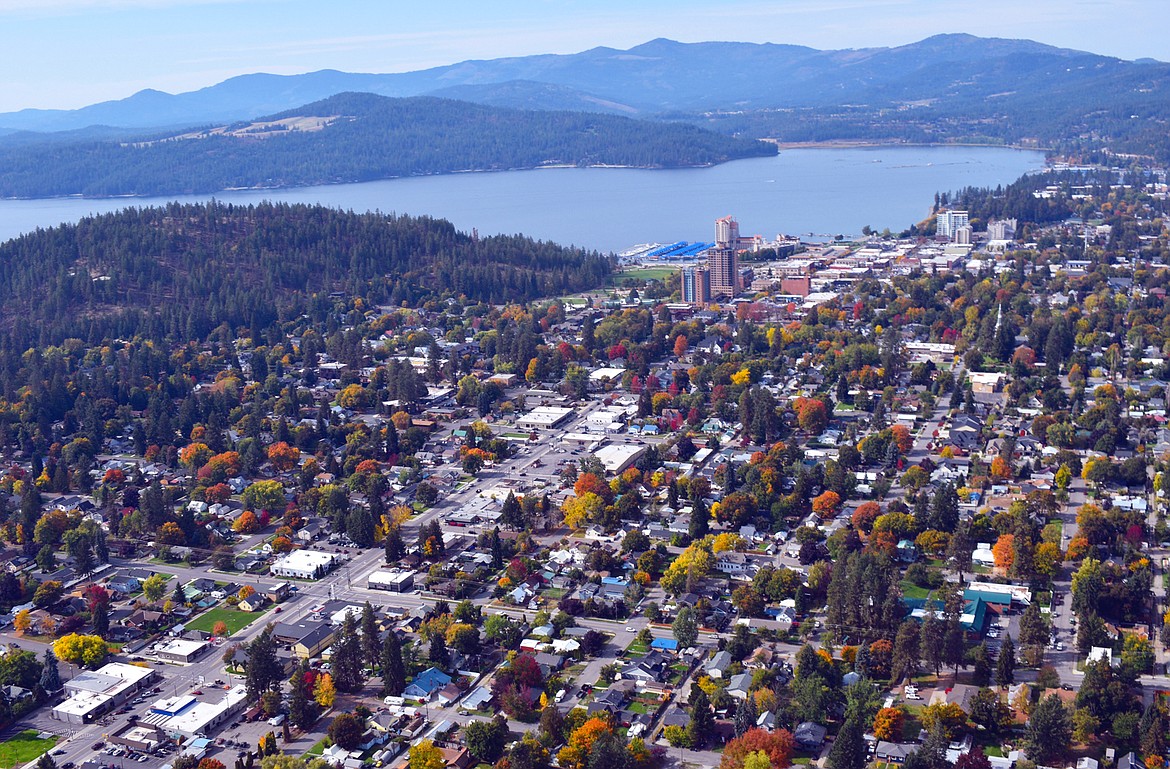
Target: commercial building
[(726, 231), (696, 285), (182, 650), (305, 564), (618, 456), (723, 258), (95, 693), (140, 737), (947, 222), (393, 581), (544, 417), (187, 717)]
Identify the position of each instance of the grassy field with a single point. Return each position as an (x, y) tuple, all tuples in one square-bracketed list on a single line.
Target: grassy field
[(24, 747), (649, 273), (235, 619)]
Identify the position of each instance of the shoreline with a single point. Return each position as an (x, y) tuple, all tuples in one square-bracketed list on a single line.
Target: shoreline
[(874, 143)]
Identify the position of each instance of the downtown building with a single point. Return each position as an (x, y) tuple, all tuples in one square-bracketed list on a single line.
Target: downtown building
[(723, 259), (696, 284)]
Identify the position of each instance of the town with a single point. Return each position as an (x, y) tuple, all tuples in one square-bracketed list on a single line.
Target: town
[(893, 501)]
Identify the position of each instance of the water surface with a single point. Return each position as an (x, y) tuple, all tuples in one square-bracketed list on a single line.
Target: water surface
[(800, 191)]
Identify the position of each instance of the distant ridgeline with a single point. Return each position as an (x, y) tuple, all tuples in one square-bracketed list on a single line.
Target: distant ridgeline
[(177, 273), (353, 138)]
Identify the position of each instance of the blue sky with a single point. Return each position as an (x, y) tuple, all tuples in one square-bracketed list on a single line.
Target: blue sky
[(68, 53)]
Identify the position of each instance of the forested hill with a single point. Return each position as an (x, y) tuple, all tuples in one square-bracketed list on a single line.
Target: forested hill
[(177, 273), (357, 137)]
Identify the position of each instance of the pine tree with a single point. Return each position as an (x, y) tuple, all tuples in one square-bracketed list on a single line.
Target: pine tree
[(50, 676), (848, 751), (393, 670), (301, 709), (263, 668), (702, 723), (438, 652), (179, 597), (371, 637), (511, 516), (745, 716), (101, 619), (347, 657), (394, 546), (1005, 666)]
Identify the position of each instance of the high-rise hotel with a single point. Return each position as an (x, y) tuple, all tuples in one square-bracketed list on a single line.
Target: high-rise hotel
[(723, 258)]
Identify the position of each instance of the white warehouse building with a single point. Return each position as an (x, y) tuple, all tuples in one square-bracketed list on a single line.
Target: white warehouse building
[(305, 564)]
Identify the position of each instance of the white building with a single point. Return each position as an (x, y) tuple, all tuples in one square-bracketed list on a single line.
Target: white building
[(394, 581), (305, 564), (950, 221), (544, 417), (94, 693), (616, 457), (188, 717)]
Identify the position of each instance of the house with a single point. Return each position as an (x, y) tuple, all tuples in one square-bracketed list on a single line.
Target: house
[(480, 698), (448, 695), (809, 735), (254, 602), (735, 564), (893, 752), (427, 683), (458, 758), (1130, 761), (717, 664), (738, 686)]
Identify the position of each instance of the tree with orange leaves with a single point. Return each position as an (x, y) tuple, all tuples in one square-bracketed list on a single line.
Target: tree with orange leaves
[(826, 504), (778, 746), (283, 456), (575, 755), (680, 346), (864, 516), (1004, 551)]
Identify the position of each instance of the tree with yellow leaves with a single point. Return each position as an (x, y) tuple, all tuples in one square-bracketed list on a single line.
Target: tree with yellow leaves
[(425, 755), (324, 692), (23, 621)]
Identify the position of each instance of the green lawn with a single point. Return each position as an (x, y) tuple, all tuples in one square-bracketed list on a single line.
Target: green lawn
[(910, 590), (319, 748), (24, 747), (235, 619), (648, 273)]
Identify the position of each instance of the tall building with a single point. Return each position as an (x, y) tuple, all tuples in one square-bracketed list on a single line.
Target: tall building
[(723, 258), (962, 235), (696, 285), (1001, 229), (949, 221), (727, 232)]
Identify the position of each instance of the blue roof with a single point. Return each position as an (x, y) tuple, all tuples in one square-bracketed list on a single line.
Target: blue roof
[(665, 643), (430, 680)]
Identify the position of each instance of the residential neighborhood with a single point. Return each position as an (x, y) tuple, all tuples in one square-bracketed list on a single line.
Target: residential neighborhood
[(893, 502)]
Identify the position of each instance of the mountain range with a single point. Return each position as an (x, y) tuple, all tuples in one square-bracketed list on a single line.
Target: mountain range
[(659, 104), (667, 77)]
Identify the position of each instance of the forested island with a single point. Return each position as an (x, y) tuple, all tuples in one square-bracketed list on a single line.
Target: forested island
[(358, 137), (176, 273)]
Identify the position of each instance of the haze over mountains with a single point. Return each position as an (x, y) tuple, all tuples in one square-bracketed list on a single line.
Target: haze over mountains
[(663, 76)]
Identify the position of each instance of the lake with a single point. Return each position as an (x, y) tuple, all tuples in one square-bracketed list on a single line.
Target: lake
[(800, 191)]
